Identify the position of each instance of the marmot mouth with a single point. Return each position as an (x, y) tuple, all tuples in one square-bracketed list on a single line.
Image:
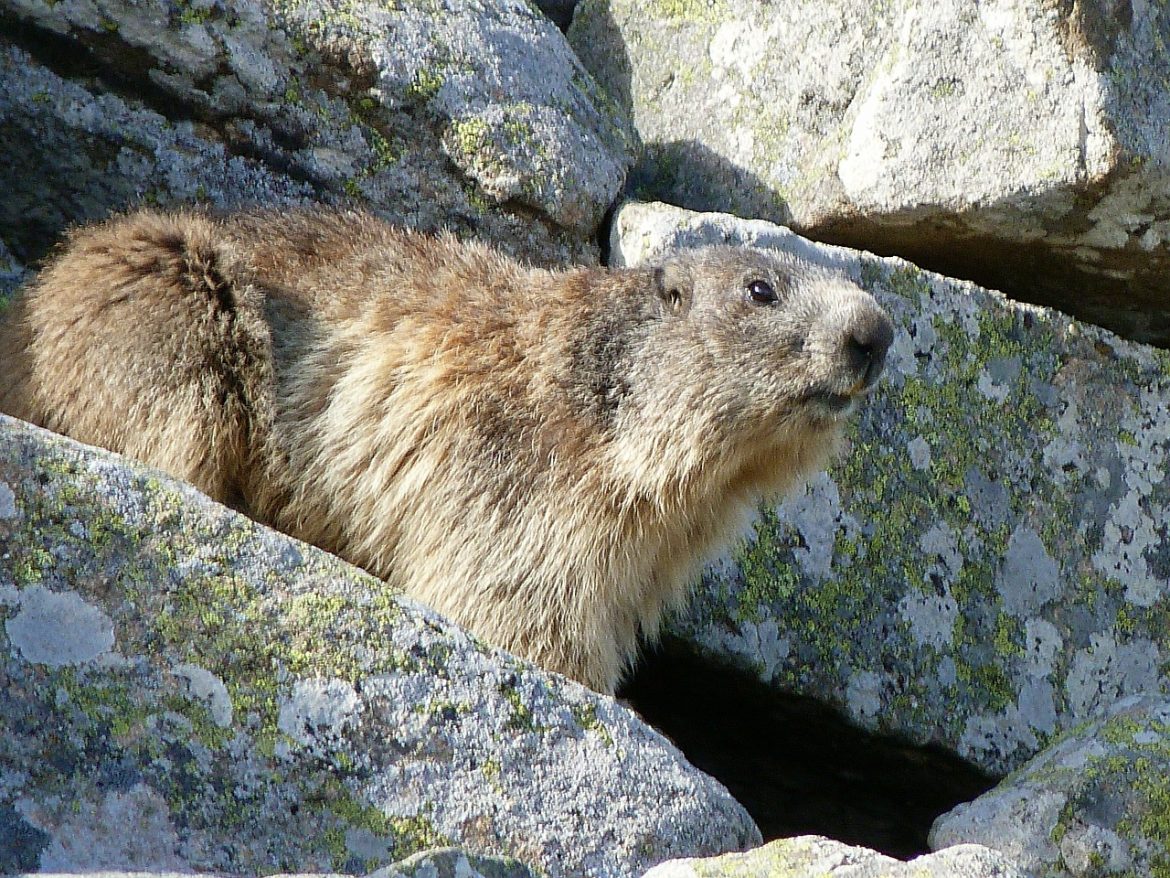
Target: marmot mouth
[(832, 405)]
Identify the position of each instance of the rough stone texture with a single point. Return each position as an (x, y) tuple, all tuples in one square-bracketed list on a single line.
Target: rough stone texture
[(1022, 144), (182, 689), (988, 564), (810, 856), (1095, 803), (453, 114), (446, 862), (454, 863), (120, 874), (70, 155)]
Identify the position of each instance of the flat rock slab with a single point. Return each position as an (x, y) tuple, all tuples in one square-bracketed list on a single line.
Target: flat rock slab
[(182, 689), (810, 856), (1021, 144), (988, 564)]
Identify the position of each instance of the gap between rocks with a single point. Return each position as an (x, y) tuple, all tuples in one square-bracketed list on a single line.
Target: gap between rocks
[(798, 766), (1126, 292)]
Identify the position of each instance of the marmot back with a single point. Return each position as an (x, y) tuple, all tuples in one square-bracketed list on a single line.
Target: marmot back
[(547, 458)]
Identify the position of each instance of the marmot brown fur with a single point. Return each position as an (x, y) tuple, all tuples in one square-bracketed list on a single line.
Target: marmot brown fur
[(546, 458)]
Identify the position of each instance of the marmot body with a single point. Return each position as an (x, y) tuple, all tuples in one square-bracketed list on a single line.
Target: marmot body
[(546, 458)]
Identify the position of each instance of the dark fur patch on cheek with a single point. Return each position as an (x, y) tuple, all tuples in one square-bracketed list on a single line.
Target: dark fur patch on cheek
[(599, 364)]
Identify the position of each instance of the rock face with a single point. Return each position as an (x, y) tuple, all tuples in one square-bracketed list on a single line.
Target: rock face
[(182, 689), (812, 857), (71, 154), (1024, 145), (987, 566), (1096, 803), (476, 118)]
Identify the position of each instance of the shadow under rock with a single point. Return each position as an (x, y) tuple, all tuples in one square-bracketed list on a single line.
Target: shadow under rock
[(798, 766), (689, 174)]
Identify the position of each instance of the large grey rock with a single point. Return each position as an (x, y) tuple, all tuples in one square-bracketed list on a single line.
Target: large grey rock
[(1095, 803), (435, 863), (474, 117), (1024, 144), (813, 857), (988, 564), (182, 689)]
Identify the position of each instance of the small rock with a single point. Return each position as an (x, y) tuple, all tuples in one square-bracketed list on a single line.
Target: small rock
[(811, 856), (1095, 803)]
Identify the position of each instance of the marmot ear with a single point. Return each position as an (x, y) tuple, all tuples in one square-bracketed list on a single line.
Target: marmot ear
[(674, 287)]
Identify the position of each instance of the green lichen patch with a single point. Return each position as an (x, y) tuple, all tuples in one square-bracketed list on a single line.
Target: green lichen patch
[(402, 836), (517, 126), (469, 136), (769, 578), (586, 716), (190, 14), (522, 719), (1114, 774), (905, 281), (426, 84), (690, 11)]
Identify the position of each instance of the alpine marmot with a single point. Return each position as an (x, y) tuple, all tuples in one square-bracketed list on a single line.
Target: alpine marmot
[(546, 458)]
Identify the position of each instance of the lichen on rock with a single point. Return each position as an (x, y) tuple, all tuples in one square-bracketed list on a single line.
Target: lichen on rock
[(1094, 803), (815, 857), (187, 690), (324, 101), (981, 568)]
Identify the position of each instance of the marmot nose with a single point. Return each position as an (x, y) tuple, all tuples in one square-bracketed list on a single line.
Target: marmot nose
[(866, 343)]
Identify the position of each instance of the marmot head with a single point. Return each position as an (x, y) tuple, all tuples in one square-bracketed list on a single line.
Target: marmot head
[(777, 342)]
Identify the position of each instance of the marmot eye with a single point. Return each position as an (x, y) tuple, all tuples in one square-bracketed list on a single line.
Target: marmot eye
[(761, 292)]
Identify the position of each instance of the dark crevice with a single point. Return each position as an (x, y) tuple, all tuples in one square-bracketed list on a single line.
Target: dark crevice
[(798, 766), (605, 231), (559, 12), (237, 143), (1131, 302)]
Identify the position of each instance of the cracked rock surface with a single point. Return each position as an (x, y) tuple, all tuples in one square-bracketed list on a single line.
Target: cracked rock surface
[(478, 118), (185, 690)]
